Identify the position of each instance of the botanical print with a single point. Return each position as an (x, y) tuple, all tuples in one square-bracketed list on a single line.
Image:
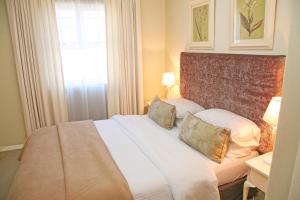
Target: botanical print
[(200, 23), (252, 18)]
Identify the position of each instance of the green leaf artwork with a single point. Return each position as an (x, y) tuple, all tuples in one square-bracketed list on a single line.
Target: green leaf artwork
[(200, 23), (252, 17)]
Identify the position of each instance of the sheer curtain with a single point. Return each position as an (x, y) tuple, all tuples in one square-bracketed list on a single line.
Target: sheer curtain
[(82, 33)]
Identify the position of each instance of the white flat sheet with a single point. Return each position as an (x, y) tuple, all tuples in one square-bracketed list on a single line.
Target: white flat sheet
[(157, 165), (144, 179), (185, 169)]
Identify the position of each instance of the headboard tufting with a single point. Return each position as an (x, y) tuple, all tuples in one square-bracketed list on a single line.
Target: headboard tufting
[(243, 84)]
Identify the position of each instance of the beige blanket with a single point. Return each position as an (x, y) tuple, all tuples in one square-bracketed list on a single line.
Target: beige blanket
[(68, 161)]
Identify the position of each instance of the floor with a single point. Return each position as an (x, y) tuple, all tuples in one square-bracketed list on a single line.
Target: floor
[(259, 195), (8, 166)]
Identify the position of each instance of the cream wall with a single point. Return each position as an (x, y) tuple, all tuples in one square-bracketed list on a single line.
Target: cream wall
[(153, 44), (177, 18), (285, 171), (12, 129)]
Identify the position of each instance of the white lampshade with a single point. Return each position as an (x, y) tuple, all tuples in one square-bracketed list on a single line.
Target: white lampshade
[(272, 113), (168, 79)]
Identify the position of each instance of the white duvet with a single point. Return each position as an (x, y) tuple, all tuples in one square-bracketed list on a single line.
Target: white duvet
[(156, 165)]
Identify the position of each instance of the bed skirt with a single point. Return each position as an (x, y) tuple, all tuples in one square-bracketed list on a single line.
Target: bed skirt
[(234, 190)]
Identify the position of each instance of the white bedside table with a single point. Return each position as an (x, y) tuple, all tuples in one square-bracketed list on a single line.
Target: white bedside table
[(258, 175)]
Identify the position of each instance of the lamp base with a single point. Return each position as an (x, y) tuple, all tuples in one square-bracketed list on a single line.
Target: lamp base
[(169, 89)]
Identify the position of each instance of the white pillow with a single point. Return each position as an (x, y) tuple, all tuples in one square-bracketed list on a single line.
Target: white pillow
[(183, 106), (244, 132)]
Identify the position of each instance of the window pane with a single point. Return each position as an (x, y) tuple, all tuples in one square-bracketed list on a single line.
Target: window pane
[(82, 33)]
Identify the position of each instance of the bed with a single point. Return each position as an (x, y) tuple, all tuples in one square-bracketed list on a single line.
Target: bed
[(161, 145), (151, 162)]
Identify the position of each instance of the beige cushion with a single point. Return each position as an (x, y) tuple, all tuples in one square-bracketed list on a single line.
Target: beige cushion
[(206, 138), (162, 113)]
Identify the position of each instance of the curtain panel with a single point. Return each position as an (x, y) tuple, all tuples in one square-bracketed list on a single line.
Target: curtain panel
[(124, 89), (38, 62)]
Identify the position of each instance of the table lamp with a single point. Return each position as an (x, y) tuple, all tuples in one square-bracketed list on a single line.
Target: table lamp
[(271, 117), (168, 80)]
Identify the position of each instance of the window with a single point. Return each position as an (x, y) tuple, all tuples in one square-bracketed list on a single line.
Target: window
[(82, 34)]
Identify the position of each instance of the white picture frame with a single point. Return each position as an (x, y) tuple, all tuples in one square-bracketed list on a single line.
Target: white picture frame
[(268, 34), (210, 35)]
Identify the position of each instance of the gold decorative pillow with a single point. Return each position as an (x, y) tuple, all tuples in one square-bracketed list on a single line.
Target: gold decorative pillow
[(162, 113), (206, 138)]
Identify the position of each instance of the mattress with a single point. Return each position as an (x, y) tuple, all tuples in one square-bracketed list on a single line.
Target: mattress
[(166, 177), (232, 169)]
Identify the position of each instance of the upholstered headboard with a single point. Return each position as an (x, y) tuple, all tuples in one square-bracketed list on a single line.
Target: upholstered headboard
[(243, 84)]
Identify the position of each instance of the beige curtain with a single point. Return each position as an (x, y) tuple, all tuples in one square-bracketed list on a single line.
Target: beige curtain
[(37, 54), (124, 93)]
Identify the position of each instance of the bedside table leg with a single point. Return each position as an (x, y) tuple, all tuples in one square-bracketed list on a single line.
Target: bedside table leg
[(247, 186)]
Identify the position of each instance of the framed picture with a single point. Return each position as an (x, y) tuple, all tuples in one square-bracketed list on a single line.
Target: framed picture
[(202, 22), (252, 24)]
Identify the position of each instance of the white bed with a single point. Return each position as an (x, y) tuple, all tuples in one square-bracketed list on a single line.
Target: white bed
[(172, 170)]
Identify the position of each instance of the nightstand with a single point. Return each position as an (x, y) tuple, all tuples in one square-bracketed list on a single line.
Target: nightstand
[(258, 175), (146, 107)]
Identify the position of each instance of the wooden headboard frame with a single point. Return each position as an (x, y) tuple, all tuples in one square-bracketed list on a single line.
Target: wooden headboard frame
[(243, 84)]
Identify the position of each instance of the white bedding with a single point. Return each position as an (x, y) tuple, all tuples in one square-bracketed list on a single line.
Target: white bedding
[(232, 168), (156, 165), (135, 166)]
